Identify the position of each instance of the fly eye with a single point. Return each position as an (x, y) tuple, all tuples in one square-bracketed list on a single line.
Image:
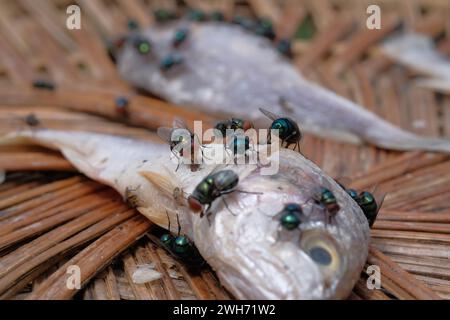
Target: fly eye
[(246, 125), (323, 251), (181, 244), (194, 204), (277, 125), (166, 238)]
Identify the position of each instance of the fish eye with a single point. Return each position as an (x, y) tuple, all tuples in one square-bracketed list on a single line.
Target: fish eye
[(323, 251), (320, 255)]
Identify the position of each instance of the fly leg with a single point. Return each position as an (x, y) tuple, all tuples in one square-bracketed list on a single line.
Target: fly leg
[(226, 205), (179, 225), (178, 158)]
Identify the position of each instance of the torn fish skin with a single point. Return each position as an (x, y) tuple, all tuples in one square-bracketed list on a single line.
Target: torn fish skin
[(228, 71), (252, 256)]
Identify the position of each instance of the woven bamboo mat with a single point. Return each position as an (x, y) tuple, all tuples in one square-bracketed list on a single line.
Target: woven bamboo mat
[(52, 217)]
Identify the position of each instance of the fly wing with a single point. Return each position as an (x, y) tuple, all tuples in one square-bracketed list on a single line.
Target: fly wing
[(180, 124), (379, 196), (344, 182), (269, 114), (165, 133)]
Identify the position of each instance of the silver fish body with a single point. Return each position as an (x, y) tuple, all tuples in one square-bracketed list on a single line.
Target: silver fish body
[(228, 71), (253, 256)]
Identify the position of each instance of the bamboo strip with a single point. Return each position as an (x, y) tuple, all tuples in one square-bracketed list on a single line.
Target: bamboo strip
[(55, 236), (38, 227), (89, 261), (38, 191), (32, 210), (399, 277)]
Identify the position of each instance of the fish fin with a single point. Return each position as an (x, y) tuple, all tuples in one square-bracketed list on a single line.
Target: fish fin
[(155, 216), (167, 183), (160, 218)]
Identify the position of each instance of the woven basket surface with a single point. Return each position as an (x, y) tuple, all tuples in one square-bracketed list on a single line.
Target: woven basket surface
[(52, 217)]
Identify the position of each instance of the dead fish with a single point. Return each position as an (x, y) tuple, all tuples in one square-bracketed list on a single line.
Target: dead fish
[(252, 257), (418, 52), (228, 71)]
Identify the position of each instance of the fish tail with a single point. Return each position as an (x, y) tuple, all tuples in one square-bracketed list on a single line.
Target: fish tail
[(388, 136), (413, 142), (352, 120)]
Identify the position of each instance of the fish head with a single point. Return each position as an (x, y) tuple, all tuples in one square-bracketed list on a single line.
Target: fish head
[(256, 258)]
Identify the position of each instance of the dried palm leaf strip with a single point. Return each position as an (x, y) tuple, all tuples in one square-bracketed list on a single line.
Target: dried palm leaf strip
[(93, 258), (412, 248), (396, 167), (111, 288), (362, 291), (138, 11), (34, 161), (292, 15), (413, 226), (214, 285), (425, 261), (266, 9), (141, 110), (398, 281), (18, 287), (39, 191), (102, 221), (440, 285), (55, 236), (143, 256), (431, 25), (98, 13), (322, 43), (196, 282), (46, 15), (16, 215), (11, 188), (407, 216), (171, 292), (361, 42), (34, 209), (203, 287), (140, 291), (411, 235), (73, 210)]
